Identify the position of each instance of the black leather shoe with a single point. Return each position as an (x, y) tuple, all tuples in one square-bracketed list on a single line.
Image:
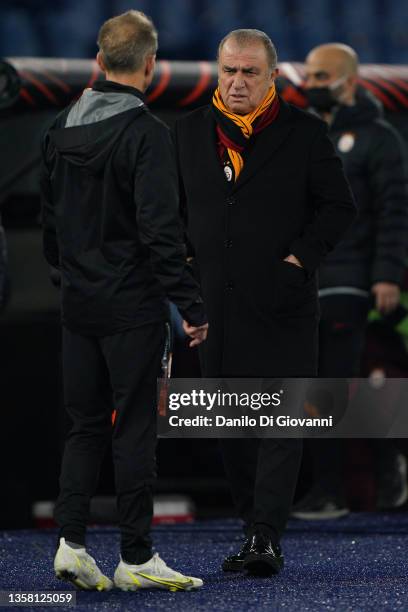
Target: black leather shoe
[(234, 563), (263, 558)]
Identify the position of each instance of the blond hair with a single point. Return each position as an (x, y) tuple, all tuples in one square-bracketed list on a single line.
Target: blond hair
[(125, 41)]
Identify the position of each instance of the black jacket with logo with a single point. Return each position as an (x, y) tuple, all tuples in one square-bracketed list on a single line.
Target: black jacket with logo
[(110, 214), (374, 247)]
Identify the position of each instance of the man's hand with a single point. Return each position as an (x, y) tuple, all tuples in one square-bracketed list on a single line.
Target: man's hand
[(199, 334), (293, 260), (387, 296)]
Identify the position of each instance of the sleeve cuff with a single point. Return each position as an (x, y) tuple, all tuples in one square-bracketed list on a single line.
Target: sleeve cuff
[(195, 314), (384, 273)]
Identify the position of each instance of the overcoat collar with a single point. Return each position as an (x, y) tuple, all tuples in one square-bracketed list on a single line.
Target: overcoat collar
[(263, 146)]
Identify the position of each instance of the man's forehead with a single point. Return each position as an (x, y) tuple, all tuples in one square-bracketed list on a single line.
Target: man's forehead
[(315, 67), (253, 54), (320, 62)]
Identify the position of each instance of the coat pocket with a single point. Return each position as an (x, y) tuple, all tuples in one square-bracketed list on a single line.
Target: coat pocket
[(295, 293), (292, 275)]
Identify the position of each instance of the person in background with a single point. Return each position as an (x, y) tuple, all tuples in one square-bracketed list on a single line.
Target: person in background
[(365, 269), (266, 200), (111, 227)]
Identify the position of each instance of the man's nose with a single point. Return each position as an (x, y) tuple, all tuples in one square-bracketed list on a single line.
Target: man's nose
[(238, 81)]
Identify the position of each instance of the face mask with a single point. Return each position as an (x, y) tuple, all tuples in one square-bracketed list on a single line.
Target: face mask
[(323, 99)]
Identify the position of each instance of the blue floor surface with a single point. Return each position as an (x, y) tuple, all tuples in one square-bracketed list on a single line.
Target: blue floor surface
[(357, 563)]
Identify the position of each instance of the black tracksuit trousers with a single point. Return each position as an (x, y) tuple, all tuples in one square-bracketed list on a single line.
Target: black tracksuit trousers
[(102, 374)]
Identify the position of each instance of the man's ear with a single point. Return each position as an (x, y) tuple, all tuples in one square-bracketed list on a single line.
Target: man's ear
[(274, 73), (149, 66), (352, 82), (100, 62)]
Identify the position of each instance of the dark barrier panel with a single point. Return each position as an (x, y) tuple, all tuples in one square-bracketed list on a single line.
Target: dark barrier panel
[(53, 83)]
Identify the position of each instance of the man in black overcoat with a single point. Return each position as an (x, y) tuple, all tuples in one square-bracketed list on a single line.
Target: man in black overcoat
[(266, 199)]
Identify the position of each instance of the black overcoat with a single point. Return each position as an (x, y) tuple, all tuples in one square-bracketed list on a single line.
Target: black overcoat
[(291, 197)]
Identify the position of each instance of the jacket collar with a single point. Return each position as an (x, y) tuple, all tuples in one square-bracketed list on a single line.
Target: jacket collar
[(260, 149), (112, 86), (365, 110)]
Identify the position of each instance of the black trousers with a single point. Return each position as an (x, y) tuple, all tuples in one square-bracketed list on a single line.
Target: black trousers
[(262, 475), (101, 374)]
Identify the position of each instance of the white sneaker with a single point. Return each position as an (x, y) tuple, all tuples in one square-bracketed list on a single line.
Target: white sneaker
[(76, 566), (153, 574)]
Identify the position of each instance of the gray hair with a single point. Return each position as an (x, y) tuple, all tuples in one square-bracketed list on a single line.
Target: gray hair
[(125, 41), (248, 36)]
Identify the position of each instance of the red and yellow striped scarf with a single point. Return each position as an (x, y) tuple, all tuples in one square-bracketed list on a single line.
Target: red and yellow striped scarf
[(235, 130)]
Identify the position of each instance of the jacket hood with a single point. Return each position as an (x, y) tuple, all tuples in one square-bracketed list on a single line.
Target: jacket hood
[(366, 109), (94, 125)]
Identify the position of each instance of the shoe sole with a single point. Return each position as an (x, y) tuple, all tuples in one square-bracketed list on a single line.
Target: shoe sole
[(402, 498), (127, 587), (258, 566), (324, 516), (76, 581), (72, 578), (162, 587), (233, 566), (400, 501)]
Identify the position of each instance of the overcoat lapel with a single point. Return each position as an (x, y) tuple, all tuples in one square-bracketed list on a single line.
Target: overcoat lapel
[(264, 145), (207, 143)]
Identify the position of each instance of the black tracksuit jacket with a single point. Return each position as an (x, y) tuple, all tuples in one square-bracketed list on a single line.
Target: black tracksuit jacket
[(374, 247), (110, 214)]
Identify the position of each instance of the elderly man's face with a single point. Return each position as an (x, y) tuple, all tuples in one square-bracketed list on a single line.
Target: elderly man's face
[(244, 76)]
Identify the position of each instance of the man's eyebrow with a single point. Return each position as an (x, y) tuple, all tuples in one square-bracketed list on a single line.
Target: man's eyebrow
[(234, 68)]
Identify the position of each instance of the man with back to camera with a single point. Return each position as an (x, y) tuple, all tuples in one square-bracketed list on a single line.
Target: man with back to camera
[(111, 226), (369, 263), (266, 199)]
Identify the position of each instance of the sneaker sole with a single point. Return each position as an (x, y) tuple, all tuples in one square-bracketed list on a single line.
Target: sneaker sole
[(76, 581), (163, 587), (317, 516), (127, 587)]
